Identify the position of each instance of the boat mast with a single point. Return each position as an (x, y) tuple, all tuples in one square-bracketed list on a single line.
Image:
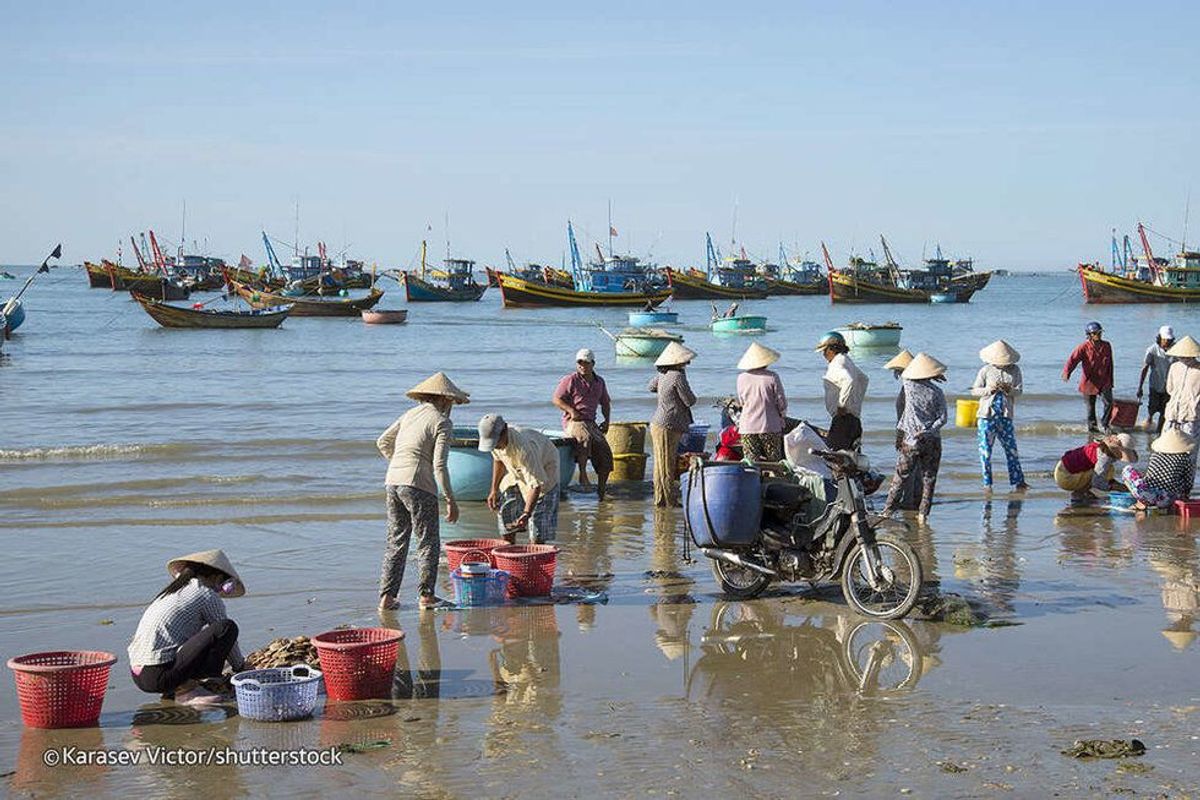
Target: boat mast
[(891, 262), (182, 234), (610, 229), (422, 258), (1150, 262), (1116, 252), (828, 260), (710, 256)]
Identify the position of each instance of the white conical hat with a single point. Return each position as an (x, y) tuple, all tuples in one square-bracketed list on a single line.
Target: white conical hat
[(674, 355), (923, 366), (1173, 441), (1187, 347), (999, 354), (211, 558), (438, 385), (1180, 640), (899, 361), (757, 356)]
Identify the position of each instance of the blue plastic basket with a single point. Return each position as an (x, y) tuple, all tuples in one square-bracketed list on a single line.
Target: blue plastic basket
[(1121, 499), (489, 590), (694, 440), (275, 695)]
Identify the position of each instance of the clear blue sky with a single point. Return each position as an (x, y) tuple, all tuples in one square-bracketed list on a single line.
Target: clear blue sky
[(1016, 132)]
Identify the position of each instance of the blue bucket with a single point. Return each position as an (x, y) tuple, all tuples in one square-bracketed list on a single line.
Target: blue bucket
[(723, 504), (481, 590), (1120, 500), (694, 440), (276, 695)]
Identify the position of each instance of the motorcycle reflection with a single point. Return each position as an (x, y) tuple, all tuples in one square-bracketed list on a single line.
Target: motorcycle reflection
[(750, 648)]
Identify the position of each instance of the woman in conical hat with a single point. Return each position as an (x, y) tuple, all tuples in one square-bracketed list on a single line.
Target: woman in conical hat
[(998, 385), (910, 493), (764, 405), (417, 446), (918, 432), (184, 635), (1168, 475), (672, 418), (1183, 389)]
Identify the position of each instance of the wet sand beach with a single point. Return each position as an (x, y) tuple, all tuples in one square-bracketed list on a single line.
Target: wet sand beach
[(124, 445)]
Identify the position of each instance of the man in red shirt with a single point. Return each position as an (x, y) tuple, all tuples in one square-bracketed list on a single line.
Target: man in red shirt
[(1096, 376), (578, 395)]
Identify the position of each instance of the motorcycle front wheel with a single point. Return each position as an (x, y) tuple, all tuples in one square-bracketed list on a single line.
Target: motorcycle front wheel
[(737, 582), (895, 594)]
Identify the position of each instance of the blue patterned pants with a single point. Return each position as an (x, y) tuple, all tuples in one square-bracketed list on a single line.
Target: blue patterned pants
[(999, 427)]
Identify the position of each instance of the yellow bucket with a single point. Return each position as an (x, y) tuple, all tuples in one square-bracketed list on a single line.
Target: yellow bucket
[(965, 413), (627, 437), (629, 467)]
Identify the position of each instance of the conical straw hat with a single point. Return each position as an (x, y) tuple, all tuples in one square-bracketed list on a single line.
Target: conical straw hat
[(1173, 441), (212, 558), (999, 354), (674, 355), (757, 356), (899, 361), (1187, 347), (1180, 640), (438, 385), (923, 366)]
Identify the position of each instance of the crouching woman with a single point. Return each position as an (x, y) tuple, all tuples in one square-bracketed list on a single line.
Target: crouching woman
[(1088, 468), (184, 635), (1169, 473)]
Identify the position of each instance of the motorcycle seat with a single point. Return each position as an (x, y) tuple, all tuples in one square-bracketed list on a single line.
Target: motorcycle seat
[(779, 494)]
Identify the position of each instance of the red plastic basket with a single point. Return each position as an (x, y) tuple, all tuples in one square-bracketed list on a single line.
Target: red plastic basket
[(531, 567), (457, 549), (358, 662), (1187, 508), (62, 689)]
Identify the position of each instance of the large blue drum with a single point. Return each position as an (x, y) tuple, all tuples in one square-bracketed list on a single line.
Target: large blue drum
[(723, 503)]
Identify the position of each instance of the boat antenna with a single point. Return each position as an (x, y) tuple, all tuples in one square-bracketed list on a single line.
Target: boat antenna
[(610, 229), (1187, 207), (296, 241), (183, 231), (447, 213), (733, 231)]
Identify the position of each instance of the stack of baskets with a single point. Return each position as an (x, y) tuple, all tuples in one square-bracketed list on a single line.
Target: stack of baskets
[(530, 568), (628, 443), (477, 582)]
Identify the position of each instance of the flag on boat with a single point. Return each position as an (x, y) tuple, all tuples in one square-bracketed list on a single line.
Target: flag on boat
[(245, 262), (612, 231)]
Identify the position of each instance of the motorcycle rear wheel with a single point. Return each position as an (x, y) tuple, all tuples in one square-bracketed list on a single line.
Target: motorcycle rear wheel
[(900, 594), (737, 582)]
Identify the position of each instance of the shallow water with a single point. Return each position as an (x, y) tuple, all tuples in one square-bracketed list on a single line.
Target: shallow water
[(122, 444)]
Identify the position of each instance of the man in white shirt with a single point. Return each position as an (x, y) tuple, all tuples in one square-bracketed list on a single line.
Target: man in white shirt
[(1156, 364), (845, 388)]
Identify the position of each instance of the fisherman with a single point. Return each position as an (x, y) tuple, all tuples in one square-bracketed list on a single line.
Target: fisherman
[(845, 388), (417, 446), (578, 396), (1156, 364), (1090, 467), (918, 432), (184, 636), (764, 405), (729, 313), (1095, 357), (1169, 474), (672, 418), (997, 385), (524, 474)]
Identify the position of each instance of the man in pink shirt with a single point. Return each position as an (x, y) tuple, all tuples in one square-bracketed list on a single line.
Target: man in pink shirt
[(578, 396)]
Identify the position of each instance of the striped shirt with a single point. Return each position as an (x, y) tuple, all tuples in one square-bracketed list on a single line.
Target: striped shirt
[(173, 619)]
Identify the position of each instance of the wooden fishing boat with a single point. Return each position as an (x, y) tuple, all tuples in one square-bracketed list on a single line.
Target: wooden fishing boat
[(791, 278), (259, 279), (519, 293), (780, 287), (97, 275), (170, 316), (419, 290), (378, 316), (745, 323), (693, 285), (1100, 286), (642, 319), (156, 286), (309, 306), (868, 287), (862, 334)]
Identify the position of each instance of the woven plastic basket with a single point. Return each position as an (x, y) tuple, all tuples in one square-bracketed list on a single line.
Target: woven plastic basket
[(358, 662), (277, 694), (63, 688), (457, 549), (483, 590), (530, 566)]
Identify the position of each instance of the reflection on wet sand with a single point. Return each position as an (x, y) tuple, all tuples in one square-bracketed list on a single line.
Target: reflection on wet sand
[(526, 669), (994, 565), (1174, 558)]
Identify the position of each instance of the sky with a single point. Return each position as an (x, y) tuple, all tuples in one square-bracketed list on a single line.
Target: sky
[(1017, 133)]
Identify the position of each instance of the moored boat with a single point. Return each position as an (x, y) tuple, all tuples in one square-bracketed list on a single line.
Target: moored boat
[(745, 323), (379, 316), (862, 334), (97, 275), (1147, 280), (170, 316), (694, 285), (309, 306), (13, 312), (455, 284), (643, 318), (520, 293), (642, 342), (790, 278)]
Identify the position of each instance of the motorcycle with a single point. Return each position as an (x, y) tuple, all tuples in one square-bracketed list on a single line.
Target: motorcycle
[(880, 573)]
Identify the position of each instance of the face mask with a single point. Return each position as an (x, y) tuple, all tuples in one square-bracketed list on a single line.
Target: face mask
[(228, 586)]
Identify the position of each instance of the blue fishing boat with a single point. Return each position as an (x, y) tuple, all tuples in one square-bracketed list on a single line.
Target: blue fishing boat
[(745, 323), (456, 283), (642, 319), (13, 311)]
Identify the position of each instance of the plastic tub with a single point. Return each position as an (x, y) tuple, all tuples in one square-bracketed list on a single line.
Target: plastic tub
[(695, 439), (966, 412), (1124, 413), (627, 437), (277, 694), (723, 504), (629, 467), (1187, 508), (530, 567), (1120, 500), (358, 662), (61, 688)]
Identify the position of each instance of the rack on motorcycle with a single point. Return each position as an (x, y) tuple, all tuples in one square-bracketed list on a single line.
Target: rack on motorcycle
[(759, 523)]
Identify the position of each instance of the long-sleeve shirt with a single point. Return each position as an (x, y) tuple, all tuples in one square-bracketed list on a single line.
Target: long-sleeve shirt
[(417, 446), (764, 405), (171, 620), (924, 410), (845, 386), (1183, 388), (531, 458), (675, 400), (984, 388), (1091, 457), (1096, 360)]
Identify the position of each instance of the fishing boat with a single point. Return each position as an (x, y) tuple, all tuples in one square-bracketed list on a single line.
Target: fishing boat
[(535, 273), (199, 317), (97, 275), (1147, 280), (457, 282), (731, 279), (13, 311), (743, 323), (862, 334), (519, 293), (311, 306), (789, 278), (867, 282), (643, 318), (642, 342), (390, 316)]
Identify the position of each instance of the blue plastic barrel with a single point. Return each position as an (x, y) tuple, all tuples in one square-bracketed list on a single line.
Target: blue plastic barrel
[(724, 504)]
